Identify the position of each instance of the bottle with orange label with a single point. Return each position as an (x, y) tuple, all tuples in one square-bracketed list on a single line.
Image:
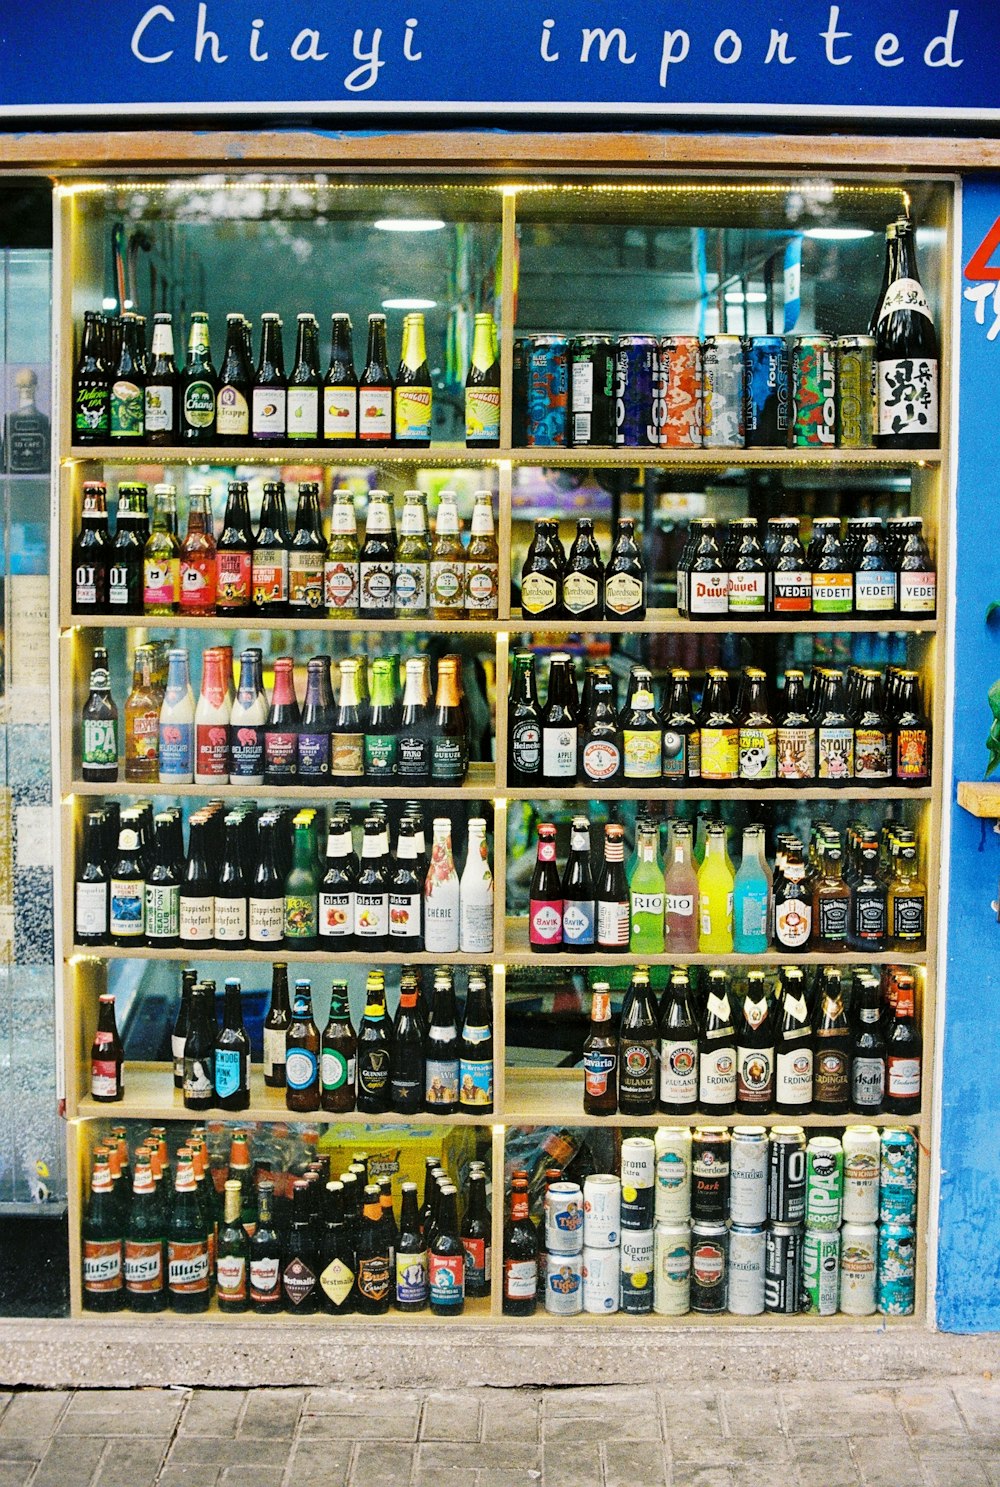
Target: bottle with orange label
[(103, 1276), (188, 1270), (145, 1271)]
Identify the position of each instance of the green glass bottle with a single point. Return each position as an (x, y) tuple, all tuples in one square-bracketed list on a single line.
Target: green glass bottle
[(382, 730), (103, 1281), (187, 1244), (232, 1259), (145, 1272), (302, 891), (646, 894)]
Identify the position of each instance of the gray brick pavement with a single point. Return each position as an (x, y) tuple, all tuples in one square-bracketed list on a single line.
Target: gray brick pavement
[(940, 1434)]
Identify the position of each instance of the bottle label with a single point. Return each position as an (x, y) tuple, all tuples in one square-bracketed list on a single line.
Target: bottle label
[(377, 586), (448, 760), (446, 1274), (337, 1281), (300, 916), (126, 410), (126, 908), (314, 755), (300, 1068), (753, 912), (373, 1277), (404, 915), (371, 915), (335, 1069), (270, 576), (414, 520), (623, 595), (119, 585), (482, 414), (144, 1266), (246, 751), (600, 760), (268, 411), (336, 915), (539, 593), (908, 395), (580, 593), (559, 752), (411, 587), (907, 916), (375, 413), (266, 923), (675, 754), (413, 413), (297, 1281), (599, 1068), (917, 593), (874, 592), (476, 925), (913, 754), (102, 1265), (870, 919), (835, 753), (90, 410), (198, 406), (347, 755), (84, 585), (373, 1072), (526, 747), (230, 920), (793, 922), (872, 754), (720, 753), (868, 1083), (642, 750), (160, 583), (758, 754), (482, 585), (231, 1277), (163, 911), (159, 407), (305, 580), (796, 753), (100, 741), (340, 413), (754, 1075), (281, 754), (211, 744), (380, 755), (187, 1266), (578, 922), (448, 583), (717, 1075), (903, 1078), (708, 594), (832, 926), (747, 593), (197, 582), (545, 922), (104, 1080), (833, 593), (678, 1072), (414, 756), (228, 1072), (475, 1083), (793, 1084), (232, 416), (681, 905), (612, 923), (265, 1278), (303, 412), (91, 909), (520, 1279), (441, 1081), (274, 1050), (340, 584), (198, 1080), (792, 593), (905, 294), (197, 919), (477, 1262), (831, 1076), (176, 750)]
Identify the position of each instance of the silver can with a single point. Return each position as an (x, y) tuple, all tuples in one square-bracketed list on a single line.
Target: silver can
[(898, 1177), (601, 1281), (637, 1271), (672, 1274), (564, 1285), (673, 1174), (638, 1169), (748, 1176), (564, 1219), (602, 1210), (746, 1270), (858, 1263), (821, 1272), (861, 1174), (723, 393)]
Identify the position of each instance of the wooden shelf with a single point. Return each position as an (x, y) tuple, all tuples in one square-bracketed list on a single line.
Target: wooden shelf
[(669, 622), (281, 454), (726, 459), (373, 960), (517, 951), (417, 625), (762, 793), (980, 798), (477, 1311), (480, 784)]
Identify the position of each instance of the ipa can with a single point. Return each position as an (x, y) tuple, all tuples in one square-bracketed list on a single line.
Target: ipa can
[(710, 1174), (783, 1268), (898, 1177), (722, 392), (812, 386), (638, 398), (564, 1219), (709, 1267), (602, 1281), (824, 1182), (747, 1245), (672, 1274), (897, 1251), (821, 1272), (786, 1185), (680, 377), (547, 396), (592, 391), (602, 1210), (564, 1285), (673, 1174), (638, 1169), (861, 1167), (637, 1272), (519, 393), (858, 1263), (856, 390), (766, 392), (748, 1167)]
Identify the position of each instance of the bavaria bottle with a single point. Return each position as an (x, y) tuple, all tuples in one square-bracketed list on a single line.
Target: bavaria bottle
[(600, 1056), (638, 1049)]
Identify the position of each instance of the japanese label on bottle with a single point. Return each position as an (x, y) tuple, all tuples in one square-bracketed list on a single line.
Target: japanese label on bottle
[(163, 914), (835, 753), (446, 1274), (377, 586), (792, 593), (904, 294), (447, 583), (411, 587), (875, 592), (754, 1075), (720, 753), (482, 585), (872, 754), (375, 413), (104, 1083), (612, 923), (197, 583), (912, 754), (267, 412), (641, 753), (300, 1068), (917, 593), (678, 1072), (347, 753), (144, 1266), (867, 1082), (126, 410), (232, 417), (211, 745), (371, 915), (793, 922), (717, 1075), (793, 1083), (305, 580), (545, 922), (160, 583), (187, 1266), (796, 751), (833, 593), (578, 922), (266, 922), (230, 920), (91, 909), (197, 919), (340, 584), (227, 1072), (100, 741), (482, 414), (908, 395), (580, 593), (270, 576), (340, 413), (538, 593), (758, 754), (475, 1080), (198, 407), (559, 752), (413, 413), (303, 412), (102, 1265), (233, 572), (623, 595), (126, 908)]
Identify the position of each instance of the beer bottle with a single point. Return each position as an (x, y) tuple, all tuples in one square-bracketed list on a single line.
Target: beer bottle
[(160, 393), (178, 1037), (757, 733), (546, 906), (337, 888), (347, 734), (917, 578), (276, 1025), (106, 1056), (232, 1054), (906, 355), (269, 389), (600, 738), (747, 578), (371, 899), (406, 1080), (211, 721), (678, 1050), (161, 557), (449, 736), (270, 557), (834, 734), (625, 576), (717, 1050), (475, 1235), (302, 891), (583, 581), (199, 1046), (336, 1258), (92, 552), (708, 588), (145, 1271), (795, 737), (265, 1255), (912, 764), (374, 1285), (99, 748), (646, 893), (127, 386), (91, 889), (559, 728), (340, 563), (128, 889), (414, 732), (680, 893), (831, 898), (197, 563), (442, 1049), (752, 896), (482, 568), (198, 386), (448, 562), (374, 1049), (446, 1259), (578, 895), (832, 1043), (163, 892), (338, 1050), (793, 1076), (541, 575), (790, 579), (248, 718), (382, 729), (340, 386), (375, 388), (907, 898), (638, 1048), (307, 555), (126, 566), (642, 731), (716, 884), (904, 1051), (413, 556), (475, 1049), (316, 724), (232, 1256), (266, 892), (232, 413), (101, 1235), (188, 1263), (302, 1053), (613, 904), (91, 402), (600, 1056), (868, 1053), (793, 910), (520, 1255), (833, 579), (234, 555), (874, 575), (476, 896), (377, 561), (413, 393), (300, 1256), (305, 385), (411, 1288), (755, 1049), (718, 731), (524, 725), (281, 731), (482, 388), (681, 747), (406, 885)]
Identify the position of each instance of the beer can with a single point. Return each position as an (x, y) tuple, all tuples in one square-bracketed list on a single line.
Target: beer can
[(680, 378), (638, 398), (564, 1285), (672, 1270), (673, 1174), (638, 1169), (602, 1210), (637, 1272), (601, 1281), (786, 1180), (861, 1168), (547, 395), (746, 1270), (897, 1199), (709, 1266), (519, 393), (897, 1260), (858, 1263), (824, 1182), (722, 393), (782, 1268), (856, 386), (592, 391), (710, 1174), (564, 1219), (812, 387), (821, 1272), (748, 1166), (766, 392)]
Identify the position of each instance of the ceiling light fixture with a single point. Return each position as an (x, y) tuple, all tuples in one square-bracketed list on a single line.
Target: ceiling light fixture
[(409, 304), (410, 224), (839, 234)]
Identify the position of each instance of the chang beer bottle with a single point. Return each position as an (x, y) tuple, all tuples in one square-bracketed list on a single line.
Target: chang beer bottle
[(413, 392), (103, 1280), (340, 564), (198, 386), (482, 388), (646, 895)]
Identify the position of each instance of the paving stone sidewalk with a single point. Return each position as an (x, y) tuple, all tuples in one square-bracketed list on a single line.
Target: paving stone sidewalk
[(801, 1435)]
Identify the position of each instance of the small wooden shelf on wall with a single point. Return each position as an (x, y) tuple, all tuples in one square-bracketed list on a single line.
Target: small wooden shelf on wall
[(980, 798)]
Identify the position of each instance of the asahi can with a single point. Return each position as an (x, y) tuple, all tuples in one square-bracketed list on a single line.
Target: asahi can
[(898, 1177), (786, 1182), (824, 1182), (897, 1258), (766, 392), (862, 1152), (673, 1174), (856, 387), (748, 1166), (812, 385), (710, 1174), (747, 1247), (709, 1267), (602, 1210), (637, 1272), (638, 396), (821, 1272), (547, 391), (638, 1169), (858, 1264), (722, 393), (564, 1285), (592, 391), (783, 1268), (672, 1272), (564, 1219), (681, 379), (601, 1281)]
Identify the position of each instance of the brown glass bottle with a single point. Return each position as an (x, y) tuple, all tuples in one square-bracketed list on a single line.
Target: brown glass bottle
[(600, 1057)]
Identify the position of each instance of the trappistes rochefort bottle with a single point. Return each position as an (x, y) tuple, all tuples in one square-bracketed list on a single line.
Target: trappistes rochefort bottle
[(906, 354)]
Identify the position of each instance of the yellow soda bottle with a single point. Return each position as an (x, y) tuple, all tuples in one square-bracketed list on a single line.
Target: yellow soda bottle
[(715, 895)]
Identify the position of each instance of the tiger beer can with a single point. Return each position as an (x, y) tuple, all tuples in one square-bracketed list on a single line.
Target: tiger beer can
[(637, 1253), (855, 391), (564, 1219), (812, 386), (672, 1273), (722, 393), (564, 1285), (748, 1175), (681, 381), (638, 1169), (673, 1174), (897, 1259), (824, 1182), (602, 1210), (861, 1174), (602, 1281), (898, 1177), (858, 1264), (821, 1272), (747, 1246)]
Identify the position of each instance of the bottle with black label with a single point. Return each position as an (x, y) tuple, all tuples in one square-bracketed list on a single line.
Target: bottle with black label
[(406, 1080), (306, 555), (793, 1073), (266, 892), (625, 576), (197, 896), (831, 899), (559, 724), (681, 734), (99, 745), (678, 1050), (867, 923), (442, 1048), (868, 1053), (90, 385), (198, 386), (912, 762), (907, 898), (906, 355), (449, 732), (276, 1025), (583, 581), (638, 1048), (300, 1259), (413, 748), (160, 395), (524, 724), (541, 575)]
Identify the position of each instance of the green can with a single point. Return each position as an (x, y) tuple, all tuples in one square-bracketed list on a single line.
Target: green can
[(821, 1272), (855, 391), (824, 1183)]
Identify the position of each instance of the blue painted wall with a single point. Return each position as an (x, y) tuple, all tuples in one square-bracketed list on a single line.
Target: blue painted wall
[(968, 1279)]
